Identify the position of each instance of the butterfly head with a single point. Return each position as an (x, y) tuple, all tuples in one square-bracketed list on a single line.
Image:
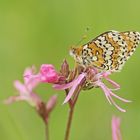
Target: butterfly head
[(73, 51)]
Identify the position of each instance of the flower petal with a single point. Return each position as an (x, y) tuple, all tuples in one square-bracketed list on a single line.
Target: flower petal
[(33, 82), (28, 73), (119, 108), (20, 87), (48, 73), (120, 98), (105, 90), (74, 87), (14, 99), (51, 103), (109, 93), (115, 85), (63, 86), (116, 134)]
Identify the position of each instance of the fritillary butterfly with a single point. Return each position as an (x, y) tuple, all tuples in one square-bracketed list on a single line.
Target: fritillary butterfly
[(108, 51)]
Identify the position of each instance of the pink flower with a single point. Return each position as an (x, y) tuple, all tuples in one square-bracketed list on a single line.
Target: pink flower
[(116, 134), (48, 74), (31, 79), (51, 103), (107, 91), (25, 90), (72, 85), (93, 79)]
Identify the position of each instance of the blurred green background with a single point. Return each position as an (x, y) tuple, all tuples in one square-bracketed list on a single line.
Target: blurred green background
[(41, 31)]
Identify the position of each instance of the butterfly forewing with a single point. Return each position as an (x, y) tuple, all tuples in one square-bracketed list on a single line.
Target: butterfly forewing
[(108, 51)]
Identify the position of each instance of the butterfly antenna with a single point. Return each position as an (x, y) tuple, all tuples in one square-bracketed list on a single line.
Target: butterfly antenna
[(83, 37)]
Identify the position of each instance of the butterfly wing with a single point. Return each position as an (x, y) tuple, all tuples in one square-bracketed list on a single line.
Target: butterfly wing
[(112, 49)]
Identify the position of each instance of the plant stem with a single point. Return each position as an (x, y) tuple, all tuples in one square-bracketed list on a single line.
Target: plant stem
[(72, 103), (43, 113), (69, 123), (71, 111), (47, 131)]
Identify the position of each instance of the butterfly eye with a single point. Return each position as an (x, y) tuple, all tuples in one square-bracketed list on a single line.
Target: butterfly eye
[(72, 51)]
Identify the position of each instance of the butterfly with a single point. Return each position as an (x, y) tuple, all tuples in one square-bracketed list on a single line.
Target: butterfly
[(107, 52)]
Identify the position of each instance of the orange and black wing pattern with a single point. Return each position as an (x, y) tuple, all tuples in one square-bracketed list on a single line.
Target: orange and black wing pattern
[(108, 51)]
